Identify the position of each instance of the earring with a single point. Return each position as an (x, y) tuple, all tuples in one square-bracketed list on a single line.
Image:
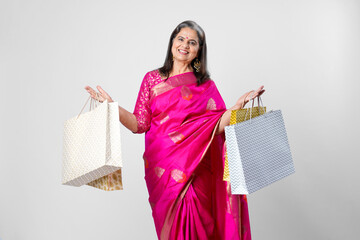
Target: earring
[(173, 58), (197, 65)]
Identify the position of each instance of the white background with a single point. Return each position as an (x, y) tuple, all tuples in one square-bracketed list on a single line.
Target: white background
[(306, 53)]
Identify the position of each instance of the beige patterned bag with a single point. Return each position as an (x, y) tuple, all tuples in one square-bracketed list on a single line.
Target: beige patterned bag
[(92, 148), (110, 182)]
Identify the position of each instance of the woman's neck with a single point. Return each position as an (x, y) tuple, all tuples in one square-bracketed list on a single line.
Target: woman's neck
[(179, 68)]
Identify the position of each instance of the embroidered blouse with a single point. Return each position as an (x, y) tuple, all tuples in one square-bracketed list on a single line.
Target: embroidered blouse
[(142, 109)]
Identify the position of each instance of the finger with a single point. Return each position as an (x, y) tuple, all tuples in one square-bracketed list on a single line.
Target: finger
[(261, 92), (102, 92), (92, 92), (89, 89), (260, 88), (258, 93)]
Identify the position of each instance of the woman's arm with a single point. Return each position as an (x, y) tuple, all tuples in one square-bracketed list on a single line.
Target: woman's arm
[(241, 102), (127, 118)]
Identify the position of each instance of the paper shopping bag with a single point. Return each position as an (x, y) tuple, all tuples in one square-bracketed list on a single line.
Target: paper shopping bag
[(236, 117), (92, 147), (110, 182), (258, 152)]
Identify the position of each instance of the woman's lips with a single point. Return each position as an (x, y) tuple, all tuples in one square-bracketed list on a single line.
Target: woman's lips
[(183, 52)]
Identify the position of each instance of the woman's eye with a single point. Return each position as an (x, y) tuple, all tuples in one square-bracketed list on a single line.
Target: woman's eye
[(180, 39), (193, 43)]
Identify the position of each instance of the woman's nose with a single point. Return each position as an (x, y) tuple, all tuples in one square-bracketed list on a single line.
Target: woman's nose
[(186, 44)]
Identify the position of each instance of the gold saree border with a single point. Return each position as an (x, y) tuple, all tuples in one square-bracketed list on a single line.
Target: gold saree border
[(171, 83)]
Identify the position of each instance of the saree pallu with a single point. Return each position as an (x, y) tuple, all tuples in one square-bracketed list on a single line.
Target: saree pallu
[(184, 163)]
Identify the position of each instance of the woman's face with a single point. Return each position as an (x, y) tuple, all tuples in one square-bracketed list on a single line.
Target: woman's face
[(185, 45)]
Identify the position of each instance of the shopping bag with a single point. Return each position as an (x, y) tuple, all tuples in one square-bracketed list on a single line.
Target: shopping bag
[(236, 117), (110, 182), (92, 148), (258, 152)]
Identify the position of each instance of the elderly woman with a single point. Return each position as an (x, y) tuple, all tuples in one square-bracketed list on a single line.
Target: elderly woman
[(183, 116)]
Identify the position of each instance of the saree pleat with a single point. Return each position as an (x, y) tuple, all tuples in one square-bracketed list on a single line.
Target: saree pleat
[(184, 164), (197, 207)]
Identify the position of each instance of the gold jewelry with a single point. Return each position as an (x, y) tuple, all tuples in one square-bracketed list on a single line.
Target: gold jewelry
[(173, 58), (197, 65)]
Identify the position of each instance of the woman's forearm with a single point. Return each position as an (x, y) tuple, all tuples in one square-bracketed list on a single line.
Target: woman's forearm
[(225, 119), (128, 119)]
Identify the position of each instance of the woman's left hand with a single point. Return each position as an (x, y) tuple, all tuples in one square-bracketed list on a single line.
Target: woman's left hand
[(253, 94), (225, 119)]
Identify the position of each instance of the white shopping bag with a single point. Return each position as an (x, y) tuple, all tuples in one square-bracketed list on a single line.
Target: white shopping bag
[(91, 145), (258, 152)]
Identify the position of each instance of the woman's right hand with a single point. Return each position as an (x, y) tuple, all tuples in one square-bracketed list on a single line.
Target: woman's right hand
[(127, 118), (101, 96)]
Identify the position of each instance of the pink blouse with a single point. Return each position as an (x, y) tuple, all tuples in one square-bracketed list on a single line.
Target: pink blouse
[(142, 109)]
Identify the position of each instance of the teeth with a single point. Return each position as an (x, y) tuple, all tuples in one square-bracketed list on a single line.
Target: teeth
[(182, 51)]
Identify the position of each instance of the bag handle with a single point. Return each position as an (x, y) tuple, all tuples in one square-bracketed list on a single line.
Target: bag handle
[(252, 92), (252, 105), (93, 103)]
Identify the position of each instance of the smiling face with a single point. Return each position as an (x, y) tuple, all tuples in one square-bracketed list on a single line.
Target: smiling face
[(185, 45)]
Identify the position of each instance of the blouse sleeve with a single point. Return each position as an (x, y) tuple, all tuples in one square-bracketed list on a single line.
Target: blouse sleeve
[(142, 109)]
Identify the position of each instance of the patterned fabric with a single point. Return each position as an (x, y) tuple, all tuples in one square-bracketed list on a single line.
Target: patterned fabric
[(142, 110), (184, 160), (110, 182)]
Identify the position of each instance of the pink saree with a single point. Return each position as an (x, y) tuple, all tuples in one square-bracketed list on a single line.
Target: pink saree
[(184, 160)]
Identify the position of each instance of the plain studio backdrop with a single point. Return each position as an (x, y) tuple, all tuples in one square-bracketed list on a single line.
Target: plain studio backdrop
[(305, 53)]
